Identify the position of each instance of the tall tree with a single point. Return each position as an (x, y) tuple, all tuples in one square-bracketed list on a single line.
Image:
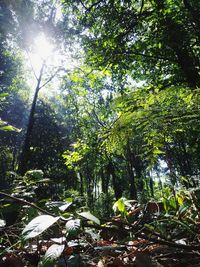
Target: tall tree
[(156, 41)]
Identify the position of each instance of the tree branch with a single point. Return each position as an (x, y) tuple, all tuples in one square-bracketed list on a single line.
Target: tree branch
[(34, 73), (93, 5), (50, 79), (141, 8), (25, 202), (169, 243)]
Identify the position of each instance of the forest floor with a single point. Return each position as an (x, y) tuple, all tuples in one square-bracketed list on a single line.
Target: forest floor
[(145, 240)]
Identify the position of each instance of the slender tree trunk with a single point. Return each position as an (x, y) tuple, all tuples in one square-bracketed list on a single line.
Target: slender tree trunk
[(80, 178), (116, 185), (151, 185), (138, 167), (104, 182), (133, 190), (173, 177), (14, 154), (24, 158), (89, 185)]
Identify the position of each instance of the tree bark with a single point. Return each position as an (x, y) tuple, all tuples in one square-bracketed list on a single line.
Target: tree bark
[(104, 182), (24, 158), (177, 38), (116, 185), (133, 190)]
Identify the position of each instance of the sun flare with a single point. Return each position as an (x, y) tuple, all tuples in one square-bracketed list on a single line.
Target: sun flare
[(43, 47), (54, 57), (42, 51)]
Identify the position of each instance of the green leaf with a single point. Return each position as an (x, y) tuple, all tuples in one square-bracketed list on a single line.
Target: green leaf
[(9, 128), (38, 225), (65, 206), (119, 205), (4, 94), (184, 225), (51, 255), (2, 223), (149, 226), (89, 216), (73, 226)]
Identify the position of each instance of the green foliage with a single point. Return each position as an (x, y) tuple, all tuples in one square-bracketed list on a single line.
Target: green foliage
[(141, 39), (87, 215), (34, 175), (8, 128), (72, 158), (59, 231), (73, 228), (121, 206), (103, 205), (169, 200), (131, 104), (51, 255), (38, 225), (145, 42)]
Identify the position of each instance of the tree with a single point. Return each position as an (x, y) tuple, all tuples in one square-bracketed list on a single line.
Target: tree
[(153, 41), (163, 124), (156, 43), (41, 79)]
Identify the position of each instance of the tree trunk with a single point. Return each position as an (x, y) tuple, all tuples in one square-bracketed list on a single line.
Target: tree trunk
[(80, 178), (104, 182), (194, 13), (24, 157), (116, 185), (89, 185), (133, 190), (176, 37), (138, 167), (151, 185)]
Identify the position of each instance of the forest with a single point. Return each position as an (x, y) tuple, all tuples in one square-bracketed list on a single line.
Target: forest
[(99, 133)]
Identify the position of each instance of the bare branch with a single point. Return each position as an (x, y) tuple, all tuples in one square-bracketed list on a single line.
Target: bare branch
[(50, 79), (35, 75)]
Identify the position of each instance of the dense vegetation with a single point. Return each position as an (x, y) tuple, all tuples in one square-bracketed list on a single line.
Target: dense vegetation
[(99, 108)]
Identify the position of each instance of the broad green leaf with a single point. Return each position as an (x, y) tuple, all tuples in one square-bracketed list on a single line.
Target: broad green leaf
[(73, 225), (38, 225), (68, 199), (51, 255), (54, 206), (89, 216), (65, 206), (119, 205), (2, 223)]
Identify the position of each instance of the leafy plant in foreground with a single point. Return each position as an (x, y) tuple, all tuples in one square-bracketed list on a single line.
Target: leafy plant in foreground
[(59, 231)]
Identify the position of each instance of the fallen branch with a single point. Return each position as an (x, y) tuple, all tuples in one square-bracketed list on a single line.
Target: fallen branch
[(25, 202), (169, 243)]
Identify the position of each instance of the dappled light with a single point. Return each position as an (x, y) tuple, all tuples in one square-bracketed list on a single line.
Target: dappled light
[(99, 133)]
